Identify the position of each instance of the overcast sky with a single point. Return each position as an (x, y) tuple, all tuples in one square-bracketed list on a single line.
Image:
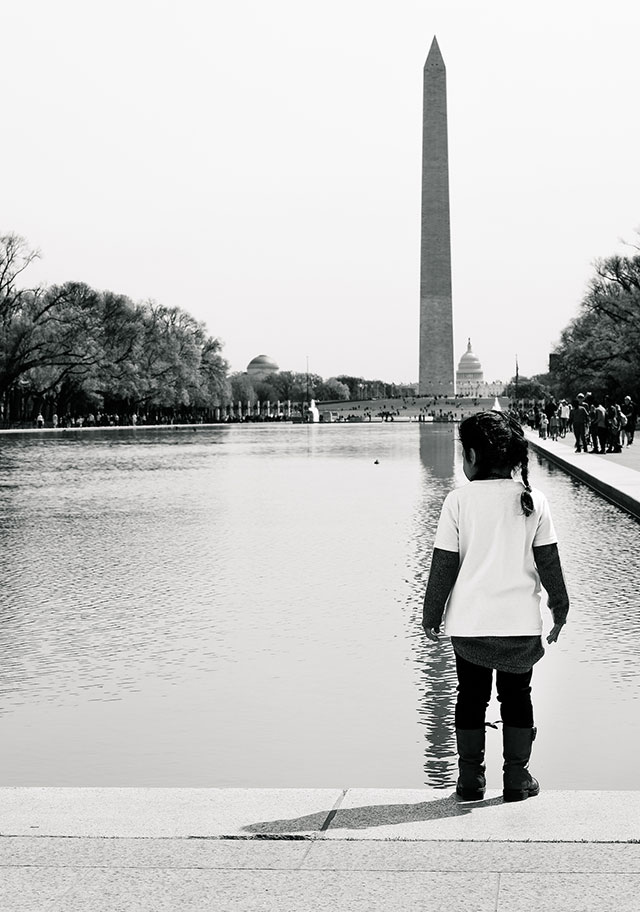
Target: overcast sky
[(258, 164)]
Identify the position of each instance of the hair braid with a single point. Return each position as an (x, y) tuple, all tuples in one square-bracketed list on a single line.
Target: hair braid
[(520, 457), (525, 498)]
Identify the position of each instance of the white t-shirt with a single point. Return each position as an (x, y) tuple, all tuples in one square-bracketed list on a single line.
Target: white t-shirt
[(497, 591)]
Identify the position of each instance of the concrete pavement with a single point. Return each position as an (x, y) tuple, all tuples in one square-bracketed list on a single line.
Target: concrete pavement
[(294, 849)]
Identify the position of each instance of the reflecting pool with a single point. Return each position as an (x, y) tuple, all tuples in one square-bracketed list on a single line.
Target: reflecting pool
[(240, 606)]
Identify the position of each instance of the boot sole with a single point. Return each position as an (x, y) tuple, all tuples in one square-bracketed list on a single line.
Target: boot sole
[(520, 794), (469, 794)]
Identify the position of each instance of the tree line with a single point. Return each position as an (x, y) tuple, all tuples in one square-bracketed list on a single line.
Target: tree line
[(599, 350), (74, 350), (80, 349), (295, 387)]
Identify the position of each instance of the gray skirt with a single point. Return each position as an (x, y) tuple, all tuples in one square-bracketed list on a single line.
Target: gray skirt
[(516, 654)]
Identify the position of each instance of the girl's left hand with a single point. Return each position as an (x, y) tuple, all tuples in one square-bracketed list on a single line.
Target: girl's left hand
[(555, 633), (432, 633)]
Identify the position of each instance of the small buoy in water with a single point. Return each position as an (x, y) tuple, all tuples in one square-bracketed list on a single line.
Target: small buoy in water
[(375, 462)]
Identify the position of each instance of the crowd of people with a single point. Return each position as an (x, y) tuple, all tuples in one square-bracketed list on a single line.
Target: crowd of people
[(598, 426), (108, 419)]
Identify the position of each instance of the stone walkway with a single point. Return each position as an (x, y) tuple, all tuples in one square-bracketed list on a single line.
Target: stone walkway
[(293, 850)]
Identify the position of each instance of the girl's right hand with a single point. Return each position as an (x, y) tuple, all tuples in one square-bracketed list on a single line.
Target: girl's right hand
[(555, 633)]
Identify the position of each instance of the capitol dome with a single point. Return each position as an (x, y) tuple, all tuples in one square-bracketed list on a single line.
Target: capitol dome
[(469, 368), (261, 366)]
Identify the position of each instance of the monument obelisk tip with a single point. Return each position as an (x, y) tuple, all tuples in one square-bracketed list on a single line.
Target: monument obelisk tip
[(434, 57)]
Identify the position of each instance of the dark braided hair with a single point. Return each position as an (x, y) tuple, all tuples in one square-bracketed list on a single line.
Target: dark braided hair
[(499, 444)]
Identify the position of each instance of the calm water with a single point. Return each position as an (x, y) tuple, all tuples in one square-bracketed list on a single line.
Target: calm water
[(240, 606)]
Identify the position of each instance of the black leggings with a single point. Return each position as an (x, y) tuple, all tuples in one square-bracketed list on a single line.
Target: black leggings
[(474, 693)]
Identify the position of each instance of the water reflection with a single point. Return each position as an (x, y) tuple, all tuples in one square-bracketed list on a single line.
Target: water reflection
[(89, 566), (241, 606), (437, 444), (598, 543), (435, 663)]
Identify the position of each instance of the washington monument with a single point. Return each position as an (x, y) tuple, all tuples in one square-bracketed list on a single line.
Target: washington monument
[(436, 375)]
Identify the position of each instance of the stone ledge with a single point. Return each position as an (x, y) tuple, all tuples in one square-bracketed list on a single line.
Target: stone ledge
[(417, 815)]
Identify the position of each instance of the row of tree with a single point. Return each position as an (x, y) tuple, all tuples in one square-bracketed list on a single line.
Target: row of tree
[(285, 386), (73, 350), (300, 387), (599, 351), (80, 349)]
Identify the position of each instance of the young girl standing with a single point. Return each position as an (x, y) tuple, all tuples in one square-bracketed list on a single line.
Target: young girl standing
[(495, 544)]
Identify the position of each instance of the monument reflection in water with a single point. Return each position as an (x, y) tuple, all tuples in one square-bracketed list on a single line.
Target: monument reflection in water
[(436, 665)]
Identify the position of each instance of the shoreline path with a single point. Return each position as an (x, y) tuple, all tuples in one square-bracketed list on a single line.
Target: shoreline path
[(342, 849), (292, 850), (614, 475)]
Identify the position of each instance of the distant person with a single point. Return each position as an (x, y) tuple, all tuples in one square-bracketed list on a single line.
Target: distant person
[(543, 424), (630, 410), (599, 428), (622, 420), (588, 403), (579, 421), (554, 425), (495, 545), (565, 413), (54, 420), (614, 426), (40, 420)]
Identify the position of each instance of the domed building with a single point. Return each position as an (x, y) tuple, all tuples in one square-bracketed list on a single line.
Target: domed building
[(469, 375), (260, 367), (470, 380)]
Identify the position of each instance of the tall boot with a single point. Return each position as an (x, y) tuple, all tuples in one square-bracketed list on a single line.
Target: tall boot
[(518, 781), (471, 782)]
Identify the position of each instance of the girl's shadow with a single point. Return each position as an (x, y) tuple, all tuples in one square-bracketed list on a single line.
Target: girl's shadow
[(362, 818)]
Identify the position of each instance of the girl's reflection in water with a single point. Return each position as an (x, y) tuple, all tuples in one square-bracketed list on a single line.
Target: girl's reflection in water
[(436, 667)]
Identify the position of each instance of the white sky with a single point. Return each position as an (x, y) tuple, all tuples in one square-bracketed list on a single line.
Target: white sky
[(258, 164)]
